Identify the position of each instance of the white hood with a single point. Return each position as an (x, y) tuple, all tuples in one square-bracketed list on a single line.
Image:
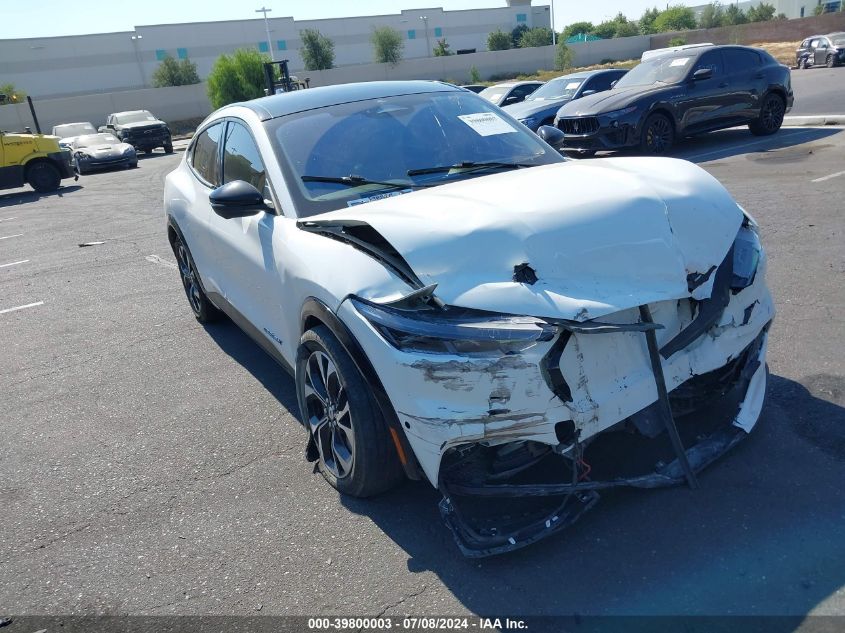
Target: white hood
[(602, 235)]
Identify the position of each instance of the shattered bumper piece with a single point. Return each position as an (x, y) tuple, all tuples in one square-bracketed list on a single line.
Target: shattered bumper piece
[(527, 510)]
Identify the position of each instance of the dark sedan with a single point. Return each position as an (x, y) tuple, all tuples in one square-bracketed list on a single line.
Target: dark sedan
[(821, 50), (541, 106), (510, 92), (101, 151), (676, 94)]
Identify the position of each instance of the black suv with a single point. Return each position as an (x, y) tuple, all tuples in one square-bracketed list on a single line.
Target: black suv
[(140, 129), (676, 93), (821, 50)]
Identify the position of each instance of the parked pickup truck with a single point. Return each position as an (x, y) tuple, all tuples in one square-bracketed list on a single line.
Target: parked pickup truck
[(141, 129)]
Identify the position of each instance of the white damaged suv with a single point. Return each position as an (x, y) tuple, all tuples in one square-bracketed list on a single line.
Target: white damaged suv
[(459, 303)]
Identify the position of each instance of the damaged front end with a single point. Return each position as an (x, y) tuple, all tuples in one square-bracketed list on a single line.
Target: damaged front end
[(520, 421)]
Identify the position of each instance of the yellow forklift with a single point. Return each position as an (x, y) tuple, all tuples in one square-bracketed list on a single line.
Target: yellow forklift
[(36, 159), (277, 79)]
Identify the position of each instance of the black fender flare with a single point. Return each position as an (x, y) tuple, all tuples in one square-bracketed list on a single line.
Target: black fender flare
[(316, 311)]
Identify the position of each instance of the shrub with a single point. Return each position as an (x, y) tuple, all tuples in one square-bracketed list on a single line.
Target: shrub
[(517, 33), (474, 75), (540, 36), (677, 41), (387, 45), (677, 18), (236, 77), (13, 94), (173, 73), (563, 56), (317, 50), (712, 15), (498, 40), (442, 48)]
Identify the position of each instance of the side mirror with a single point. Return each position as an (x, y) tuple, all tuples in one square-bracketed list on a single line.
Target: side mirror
[(586, 93), (103, 128), (510, 100), (613, 83), (702, 73), (551, 135), (236, 199)]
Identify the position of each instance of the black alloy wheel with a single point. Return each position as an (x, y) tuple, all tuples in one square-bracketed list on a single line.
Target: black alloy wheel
[(658, 135), (203, 309), (771, 116)]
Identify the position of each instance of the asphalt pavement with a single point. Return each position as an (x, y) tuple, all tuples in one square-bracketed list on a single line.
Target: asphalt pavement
[(818, 91), (150, 465)]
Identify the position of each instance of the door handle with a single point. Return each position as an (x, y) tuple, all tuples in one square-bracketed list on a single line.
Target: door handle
[(724, 84), (759, 76)]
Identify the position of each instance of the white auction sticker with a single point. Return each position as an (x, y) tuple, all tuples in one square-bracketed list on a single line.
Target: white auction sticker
[(681, 61), (486, 123), (572, 85)]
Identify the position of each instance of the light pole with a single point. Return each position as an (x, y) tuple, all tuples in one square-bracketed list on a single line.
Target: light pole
[(265, 11), (135, 39), (424, 18), (554, 35)]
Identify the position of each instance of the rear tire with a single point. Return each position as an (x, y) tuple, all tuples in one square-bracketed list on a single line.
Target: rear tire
[(802, 63), (204, 310), (356, 452), (771, 116), (44, 177), (830, 62), (658, 135), (168, 148)]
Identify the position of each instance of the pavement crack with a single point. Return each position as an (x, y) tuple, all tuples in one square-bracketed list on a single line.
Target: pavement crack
[(400, 601)]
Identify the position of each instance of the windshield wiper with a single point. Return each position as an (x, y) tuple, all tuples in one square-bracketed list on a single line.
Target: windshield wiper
[(466, 165), (354, 181)]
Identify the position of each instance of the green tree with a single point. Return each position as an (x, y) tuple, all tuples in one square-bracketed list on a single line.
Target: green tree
[(317, 50), (12, 94), (711, 16), (576, 28), (677, 41), (236, 77), (474, 75), (387, 45), (442, 48), (734, 15), (539, 36), (605, 30), (819, 9), (646, 21), (563, 55), (626, 29), (173, 73), (517, 33), (498, 40), (677, 18), (761, 13)]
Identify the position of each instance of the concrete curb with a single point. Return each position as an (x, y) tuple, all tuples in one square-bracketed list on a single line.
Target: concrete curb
[(817, 119)]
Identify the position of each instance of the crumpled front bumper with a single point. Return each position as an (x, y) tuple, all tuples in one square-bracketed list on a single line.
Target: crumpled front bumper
[(448, 403)]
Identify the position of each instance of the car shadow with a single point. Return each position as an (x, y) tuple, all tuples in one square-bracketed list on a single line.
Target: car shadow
[(240, 347), (762, 536), (22, 197), (736, 141)]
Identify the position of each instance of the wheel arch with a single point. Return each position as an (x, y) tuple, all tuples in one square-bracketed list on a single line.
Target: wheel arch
[(315, 312)]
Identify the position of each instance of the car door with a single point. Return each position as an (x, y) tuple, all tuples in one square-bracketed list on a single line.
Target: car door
[(203, 161), (820, 51), (702, 107), (244, 247), (747, 83)]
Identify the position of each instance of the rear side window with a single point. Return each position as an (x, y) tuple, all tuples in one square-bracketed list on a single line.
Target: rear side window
[(740, 59), (204, 157), (241, 160), (601, 82)]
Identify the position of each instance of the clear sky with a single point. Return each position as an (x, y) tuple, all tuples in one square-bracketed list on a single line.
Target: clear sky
[(44, 18)]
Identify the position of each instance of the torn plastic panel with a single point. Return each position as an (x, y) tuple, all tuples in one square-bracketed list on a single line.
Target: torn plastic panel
[(550, 490)]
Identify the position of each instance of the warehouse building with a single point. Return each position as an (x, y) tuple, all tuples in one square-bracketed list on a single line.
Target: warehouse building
[(106, 62)]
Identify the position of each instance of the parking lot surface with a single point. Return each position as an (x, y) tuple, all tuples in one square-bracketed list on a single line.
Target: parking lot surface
[(815, 91), (151, 465)]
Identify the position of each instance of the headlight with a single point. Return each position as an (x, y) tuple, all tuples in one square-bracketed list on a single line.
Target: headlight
[(129, 150), (615, 114), (454, 330), (747, 251)]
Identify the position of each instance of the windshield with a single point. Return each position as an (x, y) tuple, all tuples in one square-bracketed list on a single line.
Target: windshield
[(664, 70), (556, 89), (385, 139), (494, 94), (73, 129), (96, 139), (134, 117)]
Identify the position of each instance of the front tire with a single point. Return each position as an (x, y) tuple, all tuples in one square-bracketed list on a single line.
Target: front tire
[(830, 62), (204, 310), (355, 452), (168, 147), (658, 135), (771, 116), (802, 63), (44, 177)]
